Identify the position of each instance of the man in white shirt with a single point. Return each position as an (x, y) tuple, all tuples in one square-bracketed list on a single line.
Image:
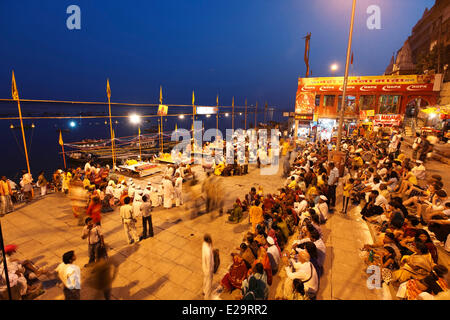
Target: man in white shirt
[(207, 265), (110, 188), (322, 208), (419, 170), (128, 221), (168, 192), (178, 190), (70, 276), (274, 257), (301, 206), (332, 184), (94, 235), (304, 271)]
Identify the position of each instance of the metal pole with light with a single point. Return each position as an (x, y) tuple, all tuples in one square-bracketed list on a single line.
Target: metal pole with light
[(136, 119), (349, 47), (333, 68)]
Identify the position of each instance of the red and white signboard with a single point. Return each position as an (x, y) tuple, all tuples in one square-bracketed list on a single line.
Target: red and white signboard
[(388, 119)]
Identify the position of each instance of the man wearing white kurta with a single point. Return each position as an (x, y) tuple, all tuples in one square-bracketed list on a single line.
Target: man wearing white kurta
[(207, 265), (137, 202), (178, 190), (167, 192)]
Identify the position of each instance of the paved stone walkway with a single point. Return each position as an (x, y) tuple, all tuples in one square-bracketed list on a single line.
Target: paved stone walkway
[(168, 266)]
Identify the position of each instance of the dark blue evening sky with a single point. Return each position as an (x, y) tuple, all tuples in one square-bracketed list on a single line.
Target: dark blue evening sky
[(250, 48)]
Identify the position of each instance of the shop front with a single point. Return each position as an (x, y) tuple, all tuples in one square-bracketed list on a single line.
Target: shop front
[(370, 99)]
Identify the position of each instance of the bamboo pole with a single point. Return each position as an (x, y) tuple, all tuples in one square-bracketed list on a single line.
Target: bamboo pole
[(232, 114), (108, 92), (245, 120), (15, 94)]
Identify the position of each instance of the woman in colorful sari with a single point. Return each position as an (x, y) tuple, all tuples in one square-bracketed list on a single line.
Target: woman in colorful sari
[(417, 266), (263, 258), (236, 274)]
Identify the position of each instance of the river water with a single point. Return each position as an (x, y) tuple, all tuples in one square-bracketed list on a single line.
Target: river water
[(44, 150)]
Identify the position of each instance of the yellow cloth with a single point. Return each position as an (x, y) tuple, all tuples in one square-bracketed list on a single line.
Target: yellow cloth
[(311, 191), (219, 168), (256, 214), (86, 182), (358, 161), (412, 178), (293, 184), (4, 188), (347, 188)]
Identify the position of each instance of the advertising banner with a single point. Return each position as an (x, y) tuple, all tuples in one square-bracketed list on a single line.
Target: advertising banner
[(388, 119), (304, 103), (405, 83)]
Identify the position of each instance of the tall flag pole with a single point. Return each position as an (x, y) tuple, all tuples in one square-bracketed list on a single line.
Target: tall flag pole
[(217, 116), (61, 143), (245, 117), (108, 92), (193, 119), (140, 152), (306, 57), (15, 96), (162, 132), (232, 114), (256, 111)]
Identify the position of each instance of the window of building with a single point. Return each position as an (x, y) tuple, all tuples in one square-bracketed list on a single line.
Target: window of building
[(367, 102), (328, 100), (350, 107), (389, 104), (317, 100)]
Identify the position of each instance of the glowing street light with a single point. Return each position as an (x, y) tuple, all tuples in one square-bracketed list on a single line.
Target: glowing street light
[(72, 124), (135, 118), (181, 116), (226, 114)]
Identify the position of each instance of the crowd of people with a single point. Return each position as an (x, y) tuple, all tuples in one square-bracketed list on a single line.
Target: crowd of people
[(406, 206), (408, 209)]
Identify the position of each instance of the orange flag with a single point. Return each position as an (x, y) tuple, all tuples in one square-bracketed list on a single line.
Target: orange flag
[(61, 142), (14, 92)]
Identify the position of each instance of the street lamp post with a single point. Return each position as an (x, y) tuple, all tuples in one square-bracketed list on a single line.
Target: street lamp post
[(349, 46), (136, 119), (334, 68)]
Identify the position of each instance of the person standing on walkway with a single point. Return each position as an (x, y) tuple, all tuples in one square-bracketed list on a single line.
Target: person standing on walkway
[(93, 233), (70, 276), (42, 183), (5, 192), (178, 189), (146, 212), (129, 221), (168, 192), (333, 179), (27, 179), (256, 215), (207, 265)]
